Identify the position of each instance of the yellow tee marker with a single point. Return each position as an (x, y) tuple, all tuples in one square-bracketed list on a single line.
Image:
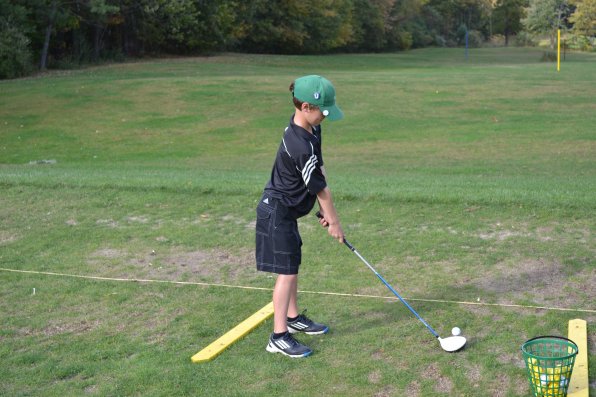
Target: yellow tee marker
[(578, 386), (215, 348), (558, 50)]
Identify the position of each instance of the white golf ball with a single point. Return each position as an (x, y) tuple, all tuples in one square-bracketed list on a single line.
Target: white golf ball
[(455, 331)]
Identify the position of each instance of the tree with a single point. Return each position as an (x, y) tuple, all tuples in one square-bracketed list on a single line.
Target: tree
[(15, 49), (15, 55), (51, 20), (100, 12), (49, 17), (461, 15), (406, 27), (546, 16), (370, 26), (275, 26), (507, 16), (328, 26), (584, 17), (294, 26)]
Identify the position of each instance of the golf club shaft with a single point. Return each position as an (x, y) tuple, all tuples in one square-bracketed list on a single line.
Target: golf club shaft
[(351, 247)]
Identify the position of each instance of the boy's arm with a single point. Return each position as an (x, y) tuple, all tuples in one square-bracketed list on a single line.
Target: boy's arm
[(330, 218)]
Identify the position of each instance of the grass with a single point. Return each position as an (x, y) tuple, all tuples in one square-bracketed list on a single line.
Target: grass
[(458, 180)]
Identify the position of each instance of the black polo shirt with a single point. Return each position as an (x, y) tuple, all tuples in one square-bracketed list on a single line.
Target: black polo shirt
[(296, 177)]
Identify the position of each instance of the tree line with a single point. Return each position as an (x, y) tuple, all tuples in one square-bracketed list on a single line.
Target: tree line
[(37, 34)]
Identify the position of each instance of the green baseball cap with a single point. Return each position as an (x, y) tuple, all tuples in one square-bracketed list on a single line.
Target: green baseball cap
[(318, 91)]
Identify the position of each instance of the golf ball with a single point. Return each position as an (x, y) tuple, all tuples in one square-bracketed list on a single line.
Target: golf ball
[(455, 331)]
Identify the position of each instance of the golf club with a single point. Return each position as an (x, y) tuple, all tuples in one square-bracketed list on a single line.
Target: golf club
[(449, 344)]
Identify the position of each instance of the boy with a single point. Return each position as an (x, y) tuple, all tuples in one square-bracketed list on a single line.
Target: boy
[(297, 181)]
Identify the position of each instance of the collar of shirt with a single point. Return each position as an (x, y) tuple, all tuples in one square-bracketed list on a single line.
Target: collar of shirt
[(301, 131)]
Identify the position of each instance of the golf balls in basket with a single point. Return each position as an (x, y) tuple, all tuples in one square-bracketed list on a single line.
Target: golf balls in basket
[(455, 331)]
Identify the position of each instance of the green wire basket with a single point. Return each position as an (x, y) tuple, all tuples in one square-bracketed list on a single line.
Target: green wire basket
[(549, 361)]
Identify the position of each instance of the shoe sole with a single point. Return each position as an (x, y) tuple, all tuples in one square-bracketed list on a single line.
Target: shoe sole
[(273, 349), (296, 331)]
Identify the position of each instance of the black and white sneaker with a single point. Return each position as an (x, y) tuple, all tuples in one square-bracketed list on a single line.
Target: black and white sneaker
[(288, 346), (306, 325)]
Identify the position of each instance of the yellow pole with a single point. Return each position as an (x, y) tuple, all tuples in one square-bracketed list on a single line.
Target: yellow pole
[(558, 50)]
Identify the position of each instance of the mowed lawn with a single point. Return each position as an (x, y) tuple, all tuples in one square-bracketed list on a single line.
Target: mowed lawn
[(470, 185)]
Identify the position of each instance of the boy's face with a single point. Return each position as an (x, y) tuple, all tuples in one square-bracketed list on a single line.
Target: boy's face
[(313, 114)]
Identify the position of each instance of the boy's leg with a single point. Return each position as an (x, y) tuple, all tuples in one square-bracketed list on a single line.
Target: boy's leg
[(284, 301), (284, 296), (278, 251), (293, 307)]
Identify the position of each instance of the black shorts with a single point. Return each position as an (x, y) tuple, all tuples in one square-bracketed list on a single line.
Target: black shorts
[(278, 243)]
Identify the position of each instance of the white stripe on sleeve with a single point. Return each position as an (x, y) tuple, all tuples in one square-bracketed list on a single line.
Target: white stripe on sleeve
[(309, 167)]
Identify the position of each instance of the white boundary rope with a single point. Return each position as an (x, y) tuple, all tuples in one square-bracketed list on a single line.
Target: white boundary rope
[(140, 280)]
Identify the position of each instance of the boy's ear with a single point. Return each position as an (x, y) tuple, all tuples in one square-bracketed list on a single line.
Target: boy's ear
[(305, 106)]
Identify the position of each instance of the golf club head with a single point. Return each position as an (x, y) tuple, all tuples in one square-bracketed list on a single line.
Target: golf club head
[(452, 343)]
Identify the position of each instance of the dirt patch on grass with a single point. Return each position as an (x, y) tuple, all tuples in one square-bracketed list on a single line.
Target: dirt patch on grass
[(176, 264), (511, 359), (502, 235), (107, 222), (109, 253), (522, 387), (539, 280), (482, 311), (374, 377), (413, 389), (76, 327), (374, 290), (496, 388), (7, 238), (500, 232), (378, 355), (216, 264), (474, 376), (137, 219), (442, 383), (387, 391)]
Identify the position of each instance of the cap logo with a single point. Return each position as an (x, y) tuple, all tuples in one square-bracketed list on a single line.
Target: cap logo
[(325, 112), (317, 95)]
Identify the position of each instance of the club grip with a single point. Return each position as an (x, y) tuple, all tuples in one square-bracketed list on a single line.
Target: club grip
[(350, 246)]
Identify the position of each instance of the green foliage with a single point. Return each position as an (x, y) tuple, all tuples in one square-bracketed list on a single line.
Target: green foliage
[(274, 26), (475, 38), (369, 25), (421, 37), (298, 26), (544, 15), (327, 26), (450, 16), (580, 42), (584, 17), (15, 53), (404, 41), (507, 17), (525, 39)]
